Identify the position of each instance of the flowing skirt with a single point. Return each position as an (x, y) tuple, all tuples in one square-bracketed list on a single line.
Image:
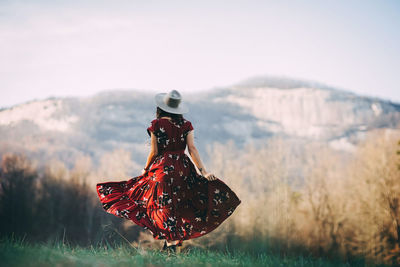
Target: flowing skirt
[(171, 200)]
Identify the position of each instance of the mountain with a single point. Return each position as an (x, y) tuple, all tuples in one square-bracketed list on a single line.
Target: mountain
[(250, 111)]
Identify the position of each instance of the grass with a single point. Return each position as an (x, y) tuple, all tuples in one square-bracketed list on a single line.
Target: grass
[(20, 253)]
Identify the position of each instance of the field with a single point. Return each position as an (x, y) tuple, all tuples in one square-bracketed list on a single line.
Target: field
[(21, 253), (301, 206)]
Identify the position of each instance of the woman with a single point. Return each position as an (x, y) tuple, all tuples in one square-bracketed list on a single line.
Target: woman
[(170, 198)]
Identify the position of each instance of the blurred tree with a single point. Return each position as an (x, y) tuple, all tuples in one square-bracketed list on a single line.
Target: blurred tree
[(17, 193)]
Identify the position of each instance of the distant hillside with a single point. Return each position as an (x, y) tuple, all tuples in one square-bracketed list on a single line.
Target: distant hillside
[(250, 111)]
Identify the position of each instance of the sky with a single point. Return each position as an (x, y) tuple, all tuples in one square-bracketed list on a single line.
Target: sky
[(58, 48)]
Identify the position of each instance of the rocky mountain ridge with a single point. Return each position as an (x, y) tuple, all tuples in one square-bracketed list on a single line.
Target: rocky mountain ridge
[(250, 111)]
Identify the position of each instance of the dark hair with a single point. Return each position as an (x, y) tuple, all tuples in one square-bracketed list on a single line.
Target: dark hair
[(178, 118)]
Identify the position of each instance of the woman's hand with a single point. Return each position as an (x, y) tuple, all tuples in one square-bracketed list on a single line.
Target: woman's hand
[(210, 176), (144, 171)]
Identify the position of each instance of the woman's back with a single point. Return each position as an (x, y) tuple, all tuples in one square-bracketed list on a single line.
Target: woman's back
[(171, 136)]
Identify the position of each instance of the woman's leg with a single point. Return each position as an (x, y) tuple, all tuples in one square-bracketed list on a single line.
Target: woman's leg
[(169, 243)]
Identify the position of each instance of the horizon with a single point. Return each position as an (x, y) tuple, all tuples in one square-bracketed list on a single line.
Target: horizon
[(189, 93)]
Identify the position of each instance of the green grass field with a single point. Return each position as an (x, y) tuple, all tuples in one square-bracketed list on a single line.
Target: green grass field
[(20, 253)]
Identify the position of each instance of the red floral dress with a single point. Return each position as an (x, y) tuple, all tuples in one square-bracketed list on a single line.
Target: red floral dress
[(171, 200)]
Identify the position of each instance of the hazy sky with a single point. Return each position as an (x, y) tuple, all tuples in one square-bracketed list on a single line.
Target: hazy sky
[(63, 48)]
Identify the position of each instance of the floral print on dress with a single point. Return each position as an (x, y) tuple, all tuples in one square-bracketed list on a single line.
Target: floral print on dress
[(123, 214), (171, 200), (220, 197), (105, 190), (170, 224), (187, 227), (189, 181), (162, 137), (185, 162), (176, 189), (202, 197), (164, 199), (168, 169), (174, 156), (139, 215)]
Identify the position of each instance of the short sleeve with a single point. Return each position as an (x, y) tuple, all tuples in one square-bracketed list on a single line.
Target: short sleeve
[(152, 127), (188, 126)]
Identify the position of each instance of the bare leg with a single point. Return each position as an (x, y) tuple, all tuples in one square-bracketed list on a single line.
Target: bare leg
[(171, 243)]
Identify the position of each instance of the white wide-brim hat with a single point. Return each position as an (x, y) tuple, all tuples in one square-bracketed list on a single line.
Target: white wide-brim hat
[(171, 102)]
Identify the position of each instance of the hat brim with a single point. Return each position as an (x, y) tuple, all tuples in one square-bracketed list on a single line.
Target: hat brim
[(181, 109)]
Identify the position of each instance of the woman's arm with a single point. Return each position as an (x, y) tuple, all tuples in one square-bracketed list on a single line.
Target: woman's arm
[(194, 153), (152, 154)]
